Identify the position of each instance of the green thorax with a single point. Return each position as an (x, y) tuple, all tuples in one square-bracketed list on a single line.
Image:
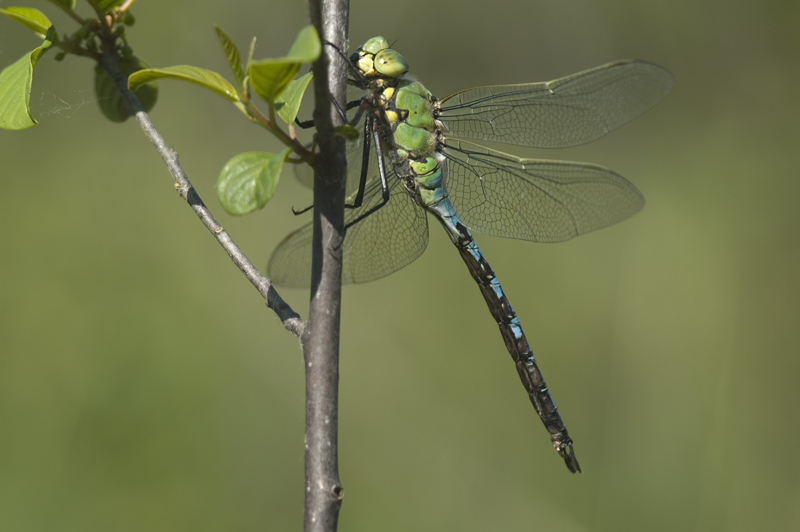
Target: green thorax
[(411, 133), (407, 117), (404, 111)]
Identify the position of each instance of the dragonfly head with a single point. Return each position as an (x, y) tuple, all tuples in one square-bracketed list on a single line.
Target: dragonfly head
[(374, 58)]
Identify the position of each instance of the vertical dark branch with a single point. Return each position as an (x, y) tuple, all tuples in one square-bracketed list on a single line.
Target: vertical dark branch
[(323, 490)]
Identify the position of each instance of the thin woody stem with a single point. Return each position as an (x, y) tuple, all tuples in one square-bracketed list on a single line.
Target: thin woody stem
[(269, 124), (323, 489), (125, 6), (290, 319)]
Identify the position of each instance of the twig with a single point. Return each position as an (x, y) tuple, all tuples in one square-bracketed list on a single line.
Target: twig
[(74, 49), (271, 125), (71, 12), (125, 6), (324, 492), (290, 319)]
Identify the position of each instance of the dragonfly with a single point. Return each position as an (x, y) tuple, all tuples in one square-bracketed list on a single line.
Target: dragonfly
[(417, 157)]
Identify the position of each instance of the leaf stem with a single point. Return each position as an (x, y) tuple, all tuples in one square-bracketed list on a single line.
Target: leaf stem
[(77, 50), (72, 13), (270, 125), (102, 18), (125, 6)]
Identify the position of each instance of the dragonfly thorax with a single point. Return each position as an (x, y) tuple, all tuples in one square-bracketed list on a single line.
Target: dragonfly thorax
[(405, 117)]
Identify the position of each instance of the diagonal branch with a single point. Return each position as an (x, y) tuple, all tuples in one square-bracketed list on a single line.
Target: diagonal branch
[(290, 319)]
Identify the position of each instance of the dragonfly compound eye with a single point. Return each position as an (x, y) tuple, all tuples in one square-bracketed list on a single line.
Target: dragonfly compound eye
[(390, 63), (375, 45)]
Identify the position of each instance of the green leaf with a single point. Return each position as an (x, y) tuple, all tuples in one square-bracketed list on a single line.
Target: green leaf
[(250, 55), (269, 177), (15, 91), (270, 77), (109, 98), (32, 18), (288, 102), (248, 181), (200, 76), (246, 82), (69, 4), (347, 131), (306, 47), (107, 5), (232, 55)]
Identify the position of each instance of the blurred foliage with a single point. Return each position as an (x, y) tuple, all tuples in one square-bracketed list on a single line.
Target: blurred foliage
[(144, 386)]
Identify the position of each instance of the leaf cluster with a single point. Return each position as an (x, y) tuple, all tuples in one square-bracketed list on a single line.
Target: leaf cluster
[(107, 27), (248, 180)]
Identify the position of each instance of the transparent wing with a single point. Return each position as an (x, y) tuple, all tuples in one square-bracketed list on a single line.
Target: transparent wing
[(555, 114), (543, 201), (387, 240)]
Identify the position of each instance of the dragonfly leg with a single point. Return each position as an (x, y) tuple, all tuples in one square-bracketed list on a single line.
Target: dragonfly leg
[(364, 171), (381, 171), (306, 124), (362, 184), (355, 71)]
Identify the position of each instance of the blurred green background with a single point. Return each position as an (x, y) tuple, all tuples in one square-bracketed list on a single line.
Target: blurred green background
[(144, 386)]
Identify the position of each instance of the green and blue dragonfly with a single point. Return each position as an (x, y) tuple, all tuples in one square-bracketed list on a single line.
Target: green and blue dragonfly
[(413, 159)]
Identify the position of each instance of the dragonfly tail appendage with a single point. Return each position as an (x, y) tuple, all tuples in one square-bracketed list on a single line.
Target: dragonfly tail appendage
[(515, 340)]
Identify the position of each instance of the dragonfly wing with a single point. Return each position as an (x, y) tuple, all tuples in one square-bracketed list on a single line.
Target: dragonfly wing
[(530, 199), (387, 240), (305, 174), (564, 112)]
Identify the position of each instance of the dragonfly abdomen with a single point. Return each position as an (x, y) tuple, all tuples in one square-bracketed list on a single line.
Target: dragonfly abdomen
[(416, 161), (511, 330)]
